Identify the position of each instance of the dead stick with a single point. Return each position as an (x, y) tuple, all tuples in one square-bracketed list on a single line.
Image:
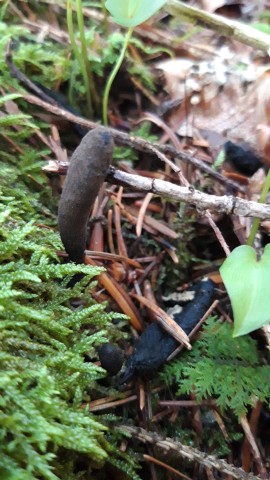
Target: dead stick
[(193, 454), (202, 201), (137, 143), (255, 450), (224, 26)]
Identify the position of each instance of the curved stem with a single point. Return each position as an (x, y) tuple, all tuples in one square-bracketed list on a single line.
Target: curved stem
[(78, 56), (256, 222), (91, 84), (4, 9), (105, 13), (113, 75)]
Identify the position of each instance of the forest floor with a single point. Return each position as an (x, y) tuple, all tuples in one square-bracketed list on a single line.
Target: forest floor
[(189, 113)]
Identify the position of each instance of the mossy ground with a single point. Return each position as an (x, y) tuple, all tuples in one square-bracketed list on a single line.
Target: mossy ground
[(44, 341)]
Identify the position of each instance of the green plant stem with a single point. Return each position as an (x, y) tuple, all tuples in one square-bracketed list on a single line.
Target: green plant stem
[(256, 221), (79, 58), (113, 75), (4, 9), (105, 13), (71, 83), (91, 82)]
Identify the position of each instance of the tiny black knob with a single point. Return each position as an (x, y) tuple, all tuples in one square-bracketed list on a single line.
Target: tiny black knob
[(111, 358)]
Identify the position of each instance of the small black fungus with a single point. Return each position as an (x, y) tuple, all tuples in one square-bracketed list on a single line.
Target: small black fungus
[(243, 159), (156, 345), (111, 358)]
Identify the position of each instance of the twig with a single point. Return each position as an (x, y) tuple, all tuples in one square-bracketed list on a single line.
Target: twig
[(194, 330), (166, 160), (218, 233), (208, 215), (169, 444), (137, 143), (165, 465), (253, 424), (227, 27), (23, 78), (202, 201), (256, 452)]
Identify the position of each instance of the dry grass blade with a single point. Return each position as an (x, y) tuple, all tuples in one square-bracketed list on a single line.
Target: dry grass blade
[(112, 257), (117, 221), (149, 295), (107, 403), (156, 225), (110, 232), (144, 206)]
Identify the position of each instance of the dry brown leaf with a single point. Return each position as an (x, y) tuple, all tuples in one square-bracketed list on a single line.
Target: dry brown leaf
[(263, 136), (212, 5), (262, 98)]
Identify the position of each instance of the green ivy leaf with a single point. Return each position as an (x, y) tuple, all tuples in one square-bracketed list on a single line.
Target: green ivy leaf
[(131, 13), (247, 282)]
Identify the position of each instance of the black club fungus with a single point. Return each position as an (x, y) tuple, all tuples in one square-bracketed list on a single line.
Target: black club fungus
[(156, 345), (243, 159)]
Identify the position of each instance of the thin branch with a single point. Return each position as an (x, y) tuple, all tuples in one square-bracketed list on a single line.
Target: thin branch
[(149, 458), (218, 233), (137, 143), (193, 454), (227, 27), (194, 330), (255, 450), (202, 201)]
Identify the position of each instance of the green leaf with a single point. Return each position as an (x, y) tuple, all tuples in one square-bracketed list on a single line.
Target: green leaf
[(262, 27), (131, 13), (247, 282)]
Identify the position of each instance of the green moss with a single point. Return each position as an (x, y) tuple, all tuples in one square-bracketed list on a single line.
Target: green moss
[(45, 380), (43, 375)]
